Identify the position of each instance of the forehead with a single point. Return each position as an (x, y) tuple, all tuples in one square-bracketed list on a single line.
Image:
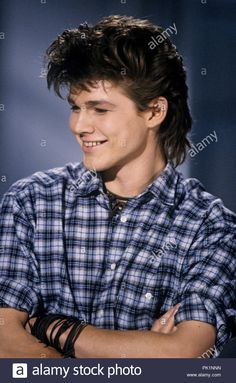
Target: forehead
[(100, 90)]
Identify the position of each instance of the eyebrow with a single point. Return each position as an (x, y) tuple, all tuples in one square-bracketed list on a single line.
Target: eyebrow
[(92, 103)]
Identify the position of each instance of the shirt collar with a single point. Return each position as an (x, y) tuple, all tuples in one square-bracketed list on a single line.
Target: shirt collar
[(164, 186), (85, 181)]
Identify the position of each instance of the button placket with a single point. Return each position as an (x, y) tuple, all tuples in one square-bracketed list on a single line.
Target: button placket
[(148, 296), (124, 218), (113, 266), (83, 250), (100, 313)]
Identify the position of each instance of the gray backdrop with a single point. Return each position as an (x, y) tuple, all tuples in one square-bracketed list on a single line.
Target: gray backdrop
[(34, 132)]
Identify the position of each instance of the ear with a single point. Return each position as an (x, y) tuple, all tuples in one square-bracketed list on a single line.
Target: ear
[(156, 112)]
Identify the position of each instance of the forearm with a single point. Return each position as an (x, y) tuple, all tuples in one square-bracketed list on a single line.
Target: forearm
[(16, 342), (190, 340), (99, 343)]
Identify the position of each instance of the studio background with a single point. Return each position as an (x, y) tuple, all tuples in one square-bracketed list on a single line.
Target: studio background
[(34, 133)]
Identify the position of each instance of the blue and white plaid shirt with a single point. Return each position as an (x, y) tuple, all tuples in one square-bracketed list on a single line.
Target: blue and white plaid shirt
[(62, 251)]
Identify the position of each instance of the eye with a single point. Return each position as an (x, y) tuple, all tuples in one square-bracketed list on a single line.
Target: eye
[(100, 111), (74, 108)]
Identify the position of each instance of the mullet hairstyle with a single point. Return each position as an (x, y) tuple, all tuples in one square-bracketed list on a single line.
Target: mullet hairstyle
[(117, 49)]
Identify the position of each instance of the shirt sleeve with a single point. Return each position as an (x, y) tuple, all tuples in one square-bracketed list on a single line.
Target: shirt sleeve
[(19, 279), (208, 287)]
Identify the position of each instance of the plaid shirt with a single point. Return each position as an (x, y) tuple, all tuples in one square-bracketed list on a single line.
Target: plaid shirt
[(63, 251)]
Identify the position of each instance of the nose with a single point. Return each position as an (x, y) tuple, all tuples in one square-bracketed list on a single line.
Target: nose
[(81, 122)]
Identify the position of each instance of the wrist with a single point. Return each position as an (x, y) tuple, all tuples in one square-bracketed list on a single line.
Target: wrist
[(86, 338), (63, 336), (59, 332)]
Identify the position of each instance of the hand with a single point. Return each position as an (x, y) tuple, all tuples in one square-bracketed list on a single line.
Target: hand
[(166, 323)]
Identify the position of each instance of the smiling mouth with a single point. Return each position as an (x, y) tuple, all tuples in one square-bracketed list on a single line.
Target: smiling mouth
[(89, 144)]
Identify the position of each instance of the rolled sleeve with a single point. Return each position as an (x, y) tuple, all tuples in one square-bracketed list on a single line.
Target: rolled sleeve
[(200, 308), (208, 288), (19, 279)]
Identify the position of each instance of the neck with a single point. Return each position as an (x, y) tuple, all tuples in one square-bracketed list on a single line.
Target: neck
[(132, 179)]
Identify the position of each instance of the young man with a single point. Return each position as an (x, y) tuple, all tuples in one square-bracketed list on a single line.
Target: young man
[(121, 238)]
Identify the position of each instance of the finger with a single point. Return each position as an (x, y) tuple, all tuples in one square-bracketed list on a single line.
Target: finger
[(168, 325), (166, 321), (163, 323), (156, 326), (167, 317), (159, 327), (171, 312)]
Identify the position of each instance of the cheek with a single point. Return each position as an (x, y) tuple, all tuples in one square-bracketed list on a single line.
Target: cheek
[(72, 122), (125, 137), (134, 132)]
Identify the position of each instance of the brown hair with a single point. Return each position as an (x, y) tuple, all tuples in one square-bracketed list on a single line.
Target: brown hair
[(118, 49)]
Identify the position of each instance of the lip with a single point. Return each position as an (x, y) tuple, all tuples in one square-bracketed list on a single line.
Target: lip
[(90, 149)]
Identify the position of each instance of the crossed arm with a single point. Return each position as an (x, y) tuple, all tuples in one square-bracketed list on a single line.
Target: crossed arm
[(189, 339)]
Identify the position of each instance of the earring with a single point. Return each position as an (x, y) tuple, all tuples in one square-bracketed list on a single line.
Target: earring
[(161, 106)]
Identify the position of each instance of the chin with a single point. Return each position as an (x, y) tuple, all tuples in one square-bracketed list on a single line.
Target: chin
[(96, 166)]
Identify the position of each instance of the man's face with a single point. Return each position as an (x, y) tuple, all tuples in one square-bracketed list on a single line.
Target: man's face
[(107, 126)]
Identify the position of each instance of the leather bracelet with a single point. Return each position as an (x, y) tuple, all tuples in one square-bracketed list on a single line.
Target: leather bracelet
[(61, 324)]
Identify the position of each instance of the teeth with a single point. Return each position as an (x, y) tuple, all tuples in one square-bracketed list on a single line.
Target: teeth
[(92, 143)]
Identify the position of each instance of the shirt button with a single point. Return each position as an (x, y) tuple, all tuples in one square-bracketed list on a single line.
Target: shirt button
[(100, 313), (148, 296), (123, 218), (113, 266), (83, 250)]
